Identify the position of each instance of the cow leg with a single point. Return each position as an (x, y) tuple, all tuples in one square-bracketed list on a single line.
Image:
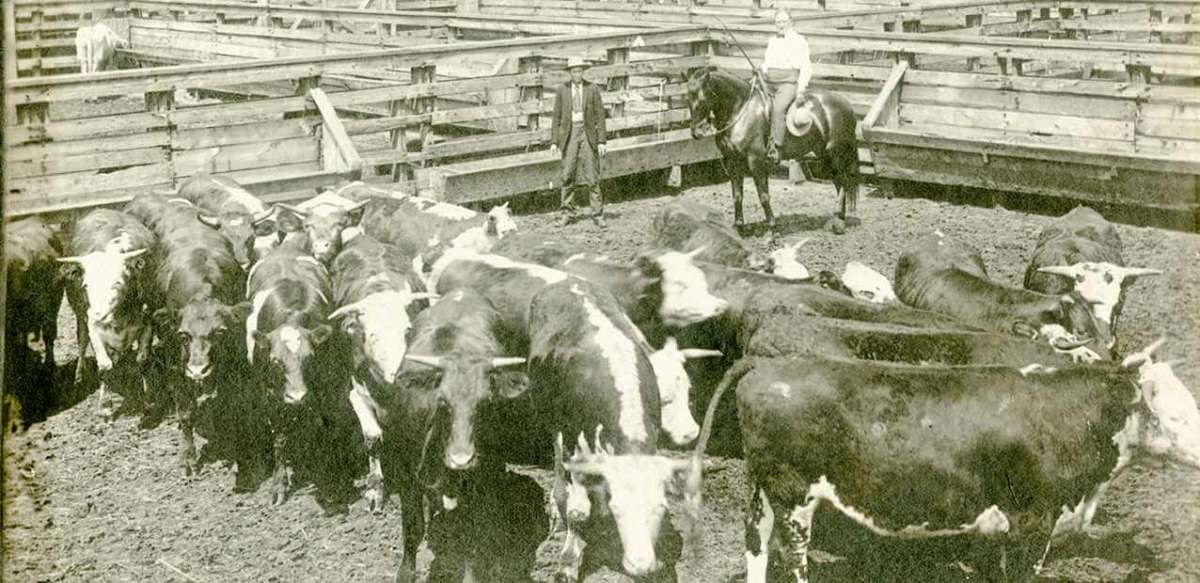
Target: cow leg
[(762, 184), (281, 480), (759, 522), (412, 515), (797, 533), (79, 307), (185, 407), (364, 409)]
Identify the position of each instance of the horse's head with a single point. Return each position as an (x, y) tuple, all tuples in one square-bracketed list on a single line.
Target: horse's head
[(699, 102)]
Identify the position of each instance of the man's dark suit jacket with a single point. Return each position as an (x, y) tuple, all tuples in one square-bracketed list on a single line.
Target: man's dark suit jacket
[(593, 116)]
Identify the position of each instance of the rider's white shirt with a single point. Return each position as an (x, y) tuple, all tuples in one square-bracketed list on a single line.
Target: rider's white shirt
[(789, 52)]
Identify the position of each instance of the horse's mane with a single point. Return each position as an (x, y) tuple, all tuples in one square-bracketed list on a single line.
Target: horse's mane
[(729, 77)]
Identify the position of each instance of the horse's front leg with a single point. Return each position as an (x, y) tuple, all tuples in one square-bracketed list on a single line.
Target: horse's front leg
[(736, 180), (762, 184)]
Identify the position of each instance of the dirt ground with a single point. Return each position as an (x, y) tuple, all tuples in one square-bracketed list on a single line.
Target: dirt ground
[(89, 501)]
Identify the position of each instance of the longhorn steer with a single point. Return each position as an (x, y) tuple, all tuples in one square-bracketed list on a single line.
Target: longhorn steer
[(591, 378), (237, 214), (376, 294), (957, 459), (286, 336), (449, 379), (944, 275), (1082, 252), (107, 287)]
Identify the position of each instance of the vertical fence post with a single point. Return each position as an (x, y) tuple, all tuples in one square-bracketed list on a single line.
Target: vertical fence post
[(1156, 18), (425, 105), (10, 43), (972, 21), (162, 102), (35, 25), (618, 83), (398, 137), (532, 91), (303, 86)]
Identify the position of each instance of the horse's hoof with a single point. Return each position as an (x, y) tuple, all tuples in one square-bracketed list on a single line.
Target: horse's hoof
[(837, 225)]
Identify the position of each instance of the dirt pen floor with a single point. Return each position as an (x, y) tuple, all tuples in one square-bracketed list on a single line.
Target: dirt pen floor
[(86, 501)]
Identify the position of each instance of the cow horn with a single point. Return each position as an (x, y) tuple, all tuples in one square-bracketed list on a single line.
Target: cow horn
[(1144, 355), (298, 212), (689, 353), (599, 445), (697, 251), (414, 296), (799, 244), (132, 254), (181, 202), (76, 260), (260, 217), (1061, 343), (581, 445), (588, 466), (344, 310), (1063, 270), (507, 361), (209, 220), (427, 360), (1139, 271)]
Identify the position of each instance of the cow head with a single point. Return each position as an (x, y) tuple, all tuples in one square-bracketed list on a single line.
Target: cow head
[(867, 284), (1067, 318), (785, 263), (500, 221), (1165, 422), (323, 223), (289, 352), (465, 384), (378, 325), (207, 332), (636, 488), (250, 236), (684, 287), (1099, 283), (104, 275), (674, 388)]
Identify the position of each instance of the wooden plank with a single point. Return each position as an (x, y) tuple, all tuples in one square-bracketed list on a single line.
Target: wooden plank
[(999, 136), (448, 116), (231, 113), (37, 152), (234, 157), (70, 164), (1100, 107), (1168, 110), (1169, 128), (1014, 121), (333, 130), (883, 111), (83, 128), (64, 185), (190, 139)]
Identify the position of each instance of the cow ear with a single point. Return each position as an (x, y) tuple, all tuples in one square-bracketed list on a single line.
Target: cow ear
[(509, 384), (647, 265), (264, 227), (321, 333), (72, 271), (355, 213), (289, 222)]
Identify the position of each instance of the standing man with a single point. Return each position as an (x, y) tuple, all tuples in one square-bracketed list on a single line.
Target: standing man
[(788, 69), (578, 131)]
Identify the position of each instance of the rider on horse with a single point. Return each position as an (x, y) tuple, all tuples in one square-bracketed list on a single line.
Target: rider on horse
[(788, 69)]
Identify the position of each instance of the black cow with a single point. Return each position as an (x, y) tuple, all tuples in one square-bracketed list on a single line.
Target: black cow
[(930, 460), (33, 296), (684, 225), (232, 210), (286, 336), (200, 290), (377, 294), (944, 275), (592, 381), (430, 413), (108, 282), (1082, 252)]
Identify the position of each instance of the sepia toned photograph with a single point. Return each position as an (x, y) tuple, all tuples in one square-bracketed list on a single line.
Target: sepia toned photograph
[(600, 291)]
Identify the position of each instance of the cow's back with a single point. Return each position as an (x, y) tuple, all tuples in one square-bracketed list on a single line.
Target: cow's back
[(686, 226), (1083, 222), (96, 229), (194, 257), (540, 249), (289, 261), (366, 265)]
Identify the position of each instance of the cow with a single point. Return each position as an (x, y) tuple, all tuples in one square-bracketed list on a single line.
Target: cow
[(322, 220), (591, 379), (34, 293), (200, 312), (286, 336), (860, 281), (927, 460), (942, 274), (550, 251), (376, 294), (675, 388), (107, 284), (453, 371), (95, 47), (232, 210), (685, 225), (426, 228), (1082, 252), (784, 262)]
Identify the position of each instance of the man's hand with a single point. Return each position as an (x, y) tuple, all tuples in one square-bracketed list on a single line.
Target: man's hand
[(603, 149)]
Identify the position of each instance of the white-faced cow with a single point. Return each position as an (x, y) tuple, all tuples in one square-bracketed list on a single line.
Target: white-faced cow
[(288, 343), (593, 385), (322, 220), (34, 293), (860, 281), (785, 262), (453, 372), (377, 295), (685, 225), (95, 47), (199, 321), (237, 214), (107, 284), (1082, 252), (945, 275), (934, 462), (675, 387)]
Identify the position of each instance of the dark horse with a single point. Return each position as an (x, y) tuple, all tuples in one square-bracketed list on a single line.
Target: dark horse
[(740, 112)]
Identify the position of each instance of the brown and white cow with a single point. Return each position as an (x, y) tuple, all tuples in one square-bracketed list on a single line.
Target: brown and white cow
[(323, 220)]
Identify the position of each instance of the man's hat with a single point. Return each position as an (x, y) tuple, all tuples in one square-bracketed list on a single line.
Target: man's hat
[(576, 62)]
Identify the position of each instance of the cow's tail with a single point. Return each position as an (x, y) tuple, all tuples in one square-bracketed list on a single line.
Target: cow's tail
[(692, 499)]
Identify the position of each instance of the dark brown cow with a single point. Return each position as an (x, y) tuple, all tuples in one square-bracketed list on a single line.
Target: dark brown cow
[(232, 210), (33, 296)]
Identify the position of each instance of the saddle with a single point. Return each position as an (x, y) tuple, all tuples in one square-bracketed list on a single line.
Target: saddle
[(801, 118)]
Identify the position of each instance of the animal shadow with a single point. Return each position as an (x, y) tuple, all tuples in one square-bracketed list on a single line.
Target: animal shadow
[(1118, 547)]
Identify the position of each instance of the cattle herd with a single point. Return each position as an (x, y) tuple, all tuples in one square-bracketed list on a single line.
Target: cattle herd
[(971, 420)]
